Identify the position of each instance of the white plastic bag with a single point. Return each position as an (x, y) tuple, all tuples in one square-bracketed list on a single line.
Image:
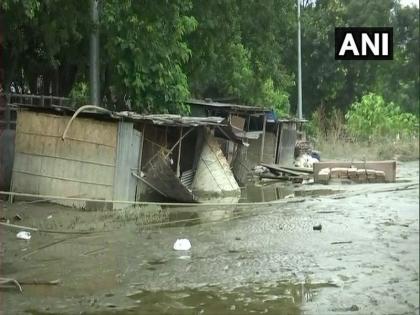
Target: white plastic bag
[(182, 244), (24, 235)]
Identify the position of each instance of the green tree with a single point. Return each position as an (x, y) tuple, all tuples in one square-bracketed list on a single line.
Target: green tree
[(334, 83), (373, 118), (239, 55), (144, 49)]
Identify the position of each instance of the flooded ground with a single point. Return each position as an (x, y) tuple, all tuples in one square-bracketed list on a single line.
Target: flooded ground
[(245, 259)]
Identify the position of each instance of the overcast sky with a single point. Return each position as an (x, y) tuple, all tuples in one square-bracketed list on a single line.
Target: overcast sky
[(410, 2)]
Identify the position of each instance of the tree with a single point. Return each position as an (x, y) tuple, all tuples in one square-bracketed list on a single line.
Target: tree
[(339, 83), (239, 55)]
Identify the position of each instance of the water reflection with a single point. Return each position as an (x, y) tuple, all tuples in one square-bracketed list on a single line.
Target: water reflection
[(280, 298)]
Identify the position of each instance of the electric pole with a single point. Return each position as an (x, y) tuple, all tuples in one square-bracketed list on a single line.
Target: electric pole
[(299, 107), (94, 54)]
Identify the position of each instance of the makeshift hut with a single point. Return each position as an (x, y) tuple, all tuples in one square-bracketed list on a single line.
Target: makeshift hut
[(266, 138), (119, 156)]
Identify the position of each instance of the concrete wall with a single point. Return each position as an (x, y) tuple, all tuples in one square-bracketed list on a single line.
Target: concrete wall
[(81, 166), (213, 175)]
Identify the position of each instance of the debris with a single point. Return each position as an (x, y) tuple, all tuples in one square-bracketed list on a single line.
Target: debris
[(17, 217), (277, 168), (40, 282), (317, 227), (306, 161), (49, 217), (5, 281), (45, 231), (182, 244), (344, 242), (354, 308), (4, 219), (259, 169), (298, 169), (24, 235)]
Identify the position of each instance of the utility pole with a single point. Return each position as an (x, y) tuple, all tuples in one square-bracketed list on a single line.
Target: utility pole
[(299, 107), (94, 54)]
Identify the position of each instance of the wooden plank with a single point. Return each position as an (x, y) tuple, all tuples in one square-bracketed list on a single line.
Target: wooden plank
[(298, 169), (263, 138), (282, 169)]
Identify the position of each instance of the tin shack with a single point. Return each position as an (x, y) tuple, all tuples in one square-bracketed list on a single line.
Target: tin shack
[(95, 154), (266, 138)]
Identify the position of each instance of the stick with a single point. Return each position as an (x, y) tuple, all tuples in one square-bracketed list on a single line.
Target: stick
[(40, 282), (77, 113), (343, 242), (5, 281), (47, 245), (44, 231)]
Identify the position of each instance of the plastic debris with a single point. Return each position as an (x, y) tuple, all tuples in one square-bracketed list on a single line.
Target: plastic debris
[(49, 217), (24, 235), (182, 244), (317, 227)]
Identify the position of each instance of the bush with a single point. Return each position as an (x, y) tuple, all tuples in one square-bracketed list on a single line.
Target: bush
[(323, 125), (373, 118)]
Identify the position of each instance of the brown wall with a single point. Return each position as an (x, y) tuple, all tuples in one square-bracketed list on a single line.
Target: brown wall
[(81, 166)]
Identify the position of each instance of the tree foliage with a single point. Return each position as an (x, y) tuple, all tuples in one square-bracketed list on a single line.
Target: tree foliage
[(372, 117), (339, 83), (155, 54)]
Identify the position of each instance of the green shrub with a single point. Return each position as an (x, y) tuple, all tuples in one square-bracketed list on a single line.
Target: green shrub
[(325, 124), (373, 118)]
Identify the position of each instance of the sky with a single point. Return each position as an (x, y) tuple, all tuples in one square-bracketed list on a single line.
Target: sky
[(410, 2)]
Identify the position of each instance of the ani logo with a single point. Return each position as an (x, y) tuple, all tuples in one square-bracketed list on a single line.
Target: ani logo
[(364, 43)]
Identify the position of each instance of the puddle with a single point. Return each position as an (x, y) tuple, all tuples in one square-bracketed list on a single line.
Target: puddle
[(281, 298), (255, 192)]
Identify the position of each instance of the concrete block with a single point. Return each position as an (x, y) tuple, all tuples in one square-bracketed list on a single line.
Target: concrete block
[(388, 167), (340, 172), (324, 175)]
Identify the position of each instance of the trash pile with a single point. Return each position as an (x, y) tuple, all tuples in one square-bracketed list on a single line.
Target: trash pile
[(305, 156)]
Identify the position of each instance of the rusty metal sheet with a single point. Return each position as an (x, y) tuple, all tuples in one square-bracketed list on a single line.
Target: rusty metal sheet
[(161, 176), (287, 141)]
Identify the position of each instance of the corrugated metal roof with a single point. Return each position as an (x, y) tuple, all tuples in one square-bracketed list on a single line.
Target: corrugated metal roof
[(238, 107), (173, 120)]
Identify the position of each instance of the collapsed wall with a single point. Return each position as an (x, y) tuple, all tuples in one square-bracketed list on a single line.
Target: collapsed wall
[(213, 176)]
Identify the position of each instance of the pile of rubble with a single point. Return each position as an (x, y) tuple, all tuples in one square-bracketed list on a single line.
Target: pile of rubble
[(358, 175)]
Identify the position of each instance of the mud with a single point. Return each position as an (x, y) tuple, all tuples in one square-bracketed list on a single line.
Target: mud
[(264, 259)]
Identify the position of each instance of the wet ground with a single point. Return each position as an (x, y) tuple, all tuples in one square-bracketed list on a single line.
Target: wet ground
[(259, 259)]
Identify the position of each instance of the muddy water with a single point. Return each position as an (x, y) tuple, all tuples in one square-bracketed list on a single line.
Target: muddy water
[(261, 259)]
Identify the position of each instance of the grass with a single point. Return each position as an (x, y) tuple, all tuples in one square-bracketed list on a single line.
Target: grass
[(330, 136), (401, 150)]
